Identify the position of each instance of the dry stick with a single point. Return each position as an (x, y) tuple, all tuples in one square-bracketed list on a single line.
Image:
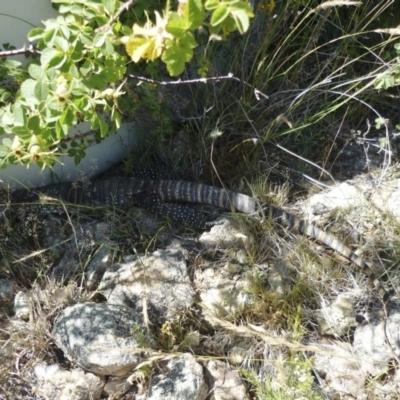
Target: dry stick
[(257, 93), (30, 49)]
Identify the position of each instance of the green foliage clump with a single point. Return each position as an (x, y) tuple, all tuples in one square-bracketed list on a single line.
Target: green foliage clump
[(390, 77), (80, 74), (295, 380)]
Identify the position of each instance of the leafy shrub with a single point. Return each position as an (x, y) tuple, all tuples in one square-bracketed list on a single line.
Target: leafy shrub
[(81, 70)]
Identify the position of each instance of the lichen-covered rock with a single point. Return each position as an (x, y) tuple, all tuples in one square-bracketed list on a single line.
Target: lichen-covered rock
[(54, 383), (181, 378), (159, 281), (101, 338)]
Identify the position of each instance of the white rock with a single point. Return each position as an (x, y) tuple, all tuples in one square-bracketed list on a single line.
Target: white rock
[(159, 282), (53, 383), (224, 383), (337, 318), (100, 337), (181, 378)]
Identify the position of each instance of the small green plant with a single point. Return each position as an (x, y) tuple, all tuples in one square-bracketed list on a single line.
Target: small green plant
[(294, 380), (391, 77)]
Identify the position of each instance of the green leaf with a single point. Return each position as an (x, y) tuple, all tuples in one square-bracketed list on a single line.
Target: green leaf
[(7, 142), (49, 36), (108, 48), (4, 151), (94, 82), (114, 70), (384, 82), (61, 130), (7, 118), (211, 5), (74, 71), (34, 124), (66, 31), (79, 88), (219, 15), (52, 74), (35, 34), (36, 71), (77, 52), (69, 20), (86, 36), (86, 68), (78, 157), (103, 128), (109, 5), (4, 96), (41, 90), (242, 6), (52, 57), (77, 10), (116, 118), (71, 152), (176, 26), (61, 43), (194, 13), (64, 9), (22, 132), (99, 40), (19, 115), (28, 89), (90, 14), (241, 20), (230, 24), (126, 30), (68, 117), (177, 53)]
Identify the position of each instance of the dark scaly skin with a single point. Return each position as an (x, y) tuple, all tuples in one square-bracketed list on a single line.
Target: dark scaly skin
[(163, 197)]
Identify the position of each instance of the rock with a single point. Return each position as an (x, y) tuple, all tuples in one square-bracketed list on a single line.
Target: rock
[(338, 318), (370, 343), (181, 378), (100, 337), (278, 276), (99, 263), (344, 195), (86, 239), (232, 268), (7, 292), (116, 387), (221, 297), (53, 383), (226, 234), (339, 371), (21, 306), (159, 282), (387, 198), (223, 382), (238, 353), (385, 389)]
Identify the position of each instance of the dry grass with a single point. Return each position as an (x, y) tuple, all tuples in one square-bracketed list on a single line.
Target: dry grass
[(317, 65)]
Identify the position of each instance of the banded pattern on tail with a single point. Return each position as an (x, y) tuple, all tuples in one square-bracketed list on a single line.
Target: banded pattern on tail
[(163, 197)]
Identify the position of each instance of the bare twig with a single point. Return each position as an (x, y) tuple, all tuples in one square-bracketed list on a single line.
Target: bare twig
[(31, 49), (257, 93)]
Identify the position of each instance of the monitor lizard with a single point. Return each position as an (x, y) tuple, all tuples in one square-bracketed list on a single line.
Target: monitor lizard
[(164, 197)]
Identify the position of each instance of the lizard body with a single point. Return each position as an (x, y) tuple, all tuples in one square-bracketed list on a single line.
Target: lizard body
[(163, 197)]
